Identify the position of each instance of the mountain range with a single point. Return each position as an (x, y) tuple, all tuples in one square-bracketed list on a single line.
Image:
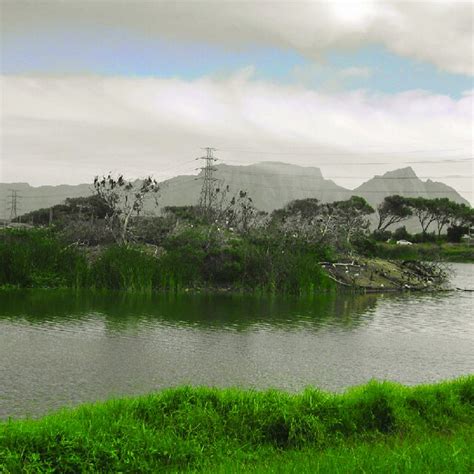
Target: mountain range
[(270, 184)]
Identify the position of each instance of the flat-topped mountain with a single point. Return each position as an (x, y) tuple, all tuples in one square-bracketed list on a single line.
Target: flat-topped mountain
[(270, 184)]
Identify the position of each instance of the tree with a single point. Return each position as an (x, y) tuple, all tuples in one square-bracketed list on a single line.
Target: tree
[(87, 208), (464, 216), (352, 216), (236, 213), (304, 219), (424, 209), (124, 199), (243, 215), (330, 223), (392, 210), (444, 211), (90, 207)]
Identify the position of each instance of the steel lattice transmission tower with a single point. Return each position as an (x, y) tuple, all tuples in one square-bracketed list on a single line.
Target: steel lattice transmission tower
[(13, 208), (208, 189)]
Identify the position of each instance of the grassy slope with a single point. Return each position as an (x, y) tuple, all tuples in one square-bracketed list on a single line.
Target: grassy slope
[(379, 427), (428, 252)]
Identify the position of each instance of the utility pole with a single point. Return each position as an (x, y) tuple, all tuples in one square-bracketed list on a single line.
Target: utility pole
[(14, 198), (208, 190)]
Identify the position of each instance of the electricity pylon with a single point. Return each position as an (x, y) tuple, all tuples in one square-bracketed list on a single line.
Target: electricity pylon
[(14, 198), (208, 189)]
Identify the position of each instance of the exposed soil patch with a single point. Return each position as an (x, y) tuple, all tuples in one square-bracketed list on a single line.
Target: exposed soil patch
[(373, 274)]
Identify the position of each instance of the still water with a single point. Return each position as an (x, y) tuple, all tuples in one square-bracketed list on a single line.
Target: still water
[(60, 348)]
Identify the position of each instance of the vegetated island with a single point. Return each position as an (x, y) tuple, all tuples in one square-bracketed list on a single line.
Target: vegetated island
[(378, 427), (107, 241)]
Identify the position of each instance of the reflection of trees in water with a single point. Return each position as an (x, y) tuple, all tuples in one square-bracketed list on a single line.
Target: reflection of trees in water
[(124, 310)]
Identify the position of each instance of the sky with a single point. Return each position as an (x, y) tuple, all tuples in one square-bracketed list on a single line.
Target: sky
[(355, 88)]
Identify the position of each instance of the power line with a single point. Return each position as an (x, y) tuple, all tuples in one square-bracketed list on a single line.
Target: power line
[(305, 176), (351, 153), (378, 163)]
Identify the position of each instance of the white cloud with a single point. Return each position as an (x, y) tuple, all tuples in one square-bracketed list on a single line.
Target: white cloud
[(436, 32), (69, 129)]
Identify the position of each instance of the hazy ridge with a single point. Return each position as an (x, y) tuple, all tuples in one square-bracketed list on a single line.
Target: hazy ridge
[(270, 184)]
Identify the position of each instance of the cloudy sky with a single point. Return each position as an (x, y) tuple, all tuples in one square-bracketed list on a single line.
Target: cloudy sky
[(356, 88)]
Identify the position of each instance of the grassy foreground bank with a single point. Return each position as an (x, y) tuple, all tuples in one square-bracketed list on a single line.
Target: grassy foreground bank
[(379, 427)]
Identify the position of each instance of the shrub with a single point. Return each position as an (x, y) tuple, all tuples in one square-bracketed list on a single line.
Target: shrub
[(381, 235), (87, 232), (401, 233), (125, 268), (365, 246), (152, 230), (455, 233)]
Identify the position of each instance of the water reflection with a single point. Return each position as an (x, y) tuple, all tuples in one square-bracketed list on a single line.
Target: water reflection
[(124, 311), (63, 348)]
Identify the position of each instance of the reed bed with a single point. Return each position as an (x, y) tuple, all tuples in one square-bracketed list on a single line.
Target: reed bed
[(38, 259)]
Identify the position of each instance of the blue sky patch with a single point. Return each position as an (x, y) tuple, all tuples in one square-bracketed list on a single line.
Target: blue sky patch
[(111, 53)]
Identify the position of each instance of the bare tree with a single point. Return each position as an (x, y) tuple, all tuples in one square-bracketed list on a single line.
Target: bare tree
[(125, 199), (234, 212)]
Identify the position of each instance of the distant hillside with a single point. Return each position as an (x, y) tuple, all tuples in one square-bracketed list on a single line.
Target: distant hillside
[(270, 184), (404, 182), (32, 198)]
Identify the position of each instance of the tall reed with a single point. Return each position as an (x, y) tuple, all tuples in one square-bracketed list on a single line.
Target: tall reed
[(37, 258)]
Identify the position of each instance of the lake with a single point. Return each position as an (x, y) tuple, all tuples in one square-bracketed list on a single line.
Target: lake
[(61, 348)]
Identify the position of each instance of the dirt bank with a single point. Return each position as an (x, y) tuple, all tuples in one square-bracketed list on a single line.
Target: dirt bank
[(374, 274)]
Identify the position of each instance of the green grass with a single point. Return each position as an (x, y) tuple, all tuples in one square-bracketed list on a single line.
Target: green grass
[(427, 252), (379, 427), (431, 454)]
